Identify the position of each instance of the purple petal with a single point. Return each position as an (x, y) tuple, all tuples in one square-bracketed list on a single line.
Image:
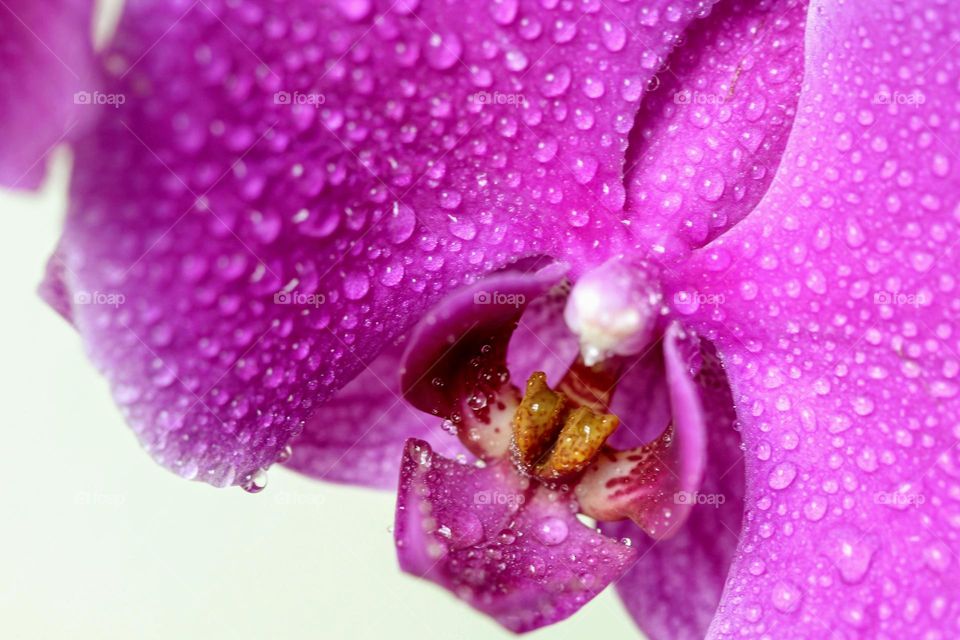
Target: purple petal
[(673, 590), (454, 330), (53, 288), (641, 401), (455, 366), (359, 434), (650, 484), (46, 54), (708, 141), (359, 168), (542, 341), (836, 315), (515, 552)]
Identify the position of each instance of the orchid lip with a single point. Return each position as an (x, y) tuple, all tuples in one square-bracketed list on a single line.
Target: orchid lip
[(557, 436), (543, 457)]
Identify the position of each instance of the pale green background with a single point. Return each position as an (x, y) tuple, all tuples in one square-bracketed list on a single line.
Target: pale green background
[(99, 542)]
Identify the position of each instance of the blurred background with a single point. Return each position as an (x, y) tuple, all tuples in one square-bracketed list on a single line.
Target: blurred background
[(99, 542)]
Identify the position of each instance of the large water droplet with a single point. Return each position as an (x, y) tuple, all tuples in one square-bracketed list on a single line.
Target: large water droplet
[(551, 531)]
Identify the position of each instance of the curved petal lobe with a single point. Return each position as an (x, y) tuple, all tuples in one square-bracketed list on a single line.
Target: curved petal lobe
[(651, 484), (708, 141), (515, 552), (542, 341), (455, 366), (288, 187), (673, 590), (837, 318), (46, 57)]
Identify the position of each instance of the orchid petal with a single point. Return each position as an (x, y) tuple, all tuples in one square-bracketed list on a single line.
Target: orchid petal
[(356, 159), (515, 552), (455, 365), (709, 139), (649, 484), (542, 341), (642, 401), (46, 56), (673, 590), (358, 436), (835, 314)]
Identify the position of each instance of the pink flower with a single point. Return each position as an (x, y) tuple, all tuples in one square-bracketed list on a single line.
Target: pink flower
[(289, 222)]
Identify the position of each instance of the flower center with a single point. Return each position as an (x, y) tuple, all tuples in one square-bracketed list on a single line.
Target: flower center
[(556, 434), (614, 308)]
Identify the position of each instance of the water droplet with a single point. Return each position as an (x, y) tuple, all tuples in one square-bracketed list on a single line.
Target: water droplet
[(443, 51), (613, 35), (782, 475), (556, 81), (356, 285), (851, 552), (786, 597), (354, 10), (256, 482), (465, 529), (551, 531), (503, 12)]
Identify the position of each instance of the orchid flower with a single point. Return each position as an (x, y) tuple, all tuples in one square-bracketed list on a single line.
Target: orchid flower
[(655, 293)]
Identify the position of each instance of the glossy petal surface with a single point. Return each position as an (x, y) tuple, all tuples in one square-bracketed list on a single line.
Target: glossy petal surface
[(648, 484), (46, 56), (288, 187), (358, 435), (512, 550), (542, 341), (641, 401), (673, 590), (837, 321), (709, 139)]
